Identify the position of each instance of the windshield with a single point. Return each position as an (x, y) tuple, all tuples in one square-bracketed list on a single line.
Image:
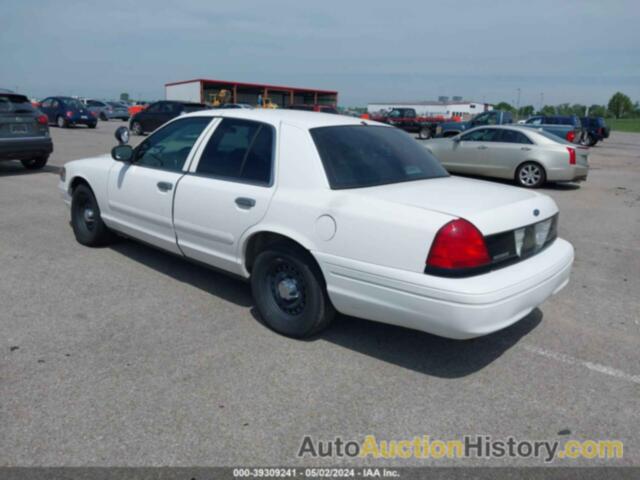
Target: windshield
[(356, 156), (15, 104)]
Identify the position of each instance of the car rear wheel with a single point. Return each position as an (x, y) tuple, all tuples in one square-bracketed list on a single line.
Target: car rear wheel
[(61, 122), (589, 140), (290, 292), (103, 117), (93, 125), (88, 227), (35, 163), (136, 128), (424, 133), (530, 175)]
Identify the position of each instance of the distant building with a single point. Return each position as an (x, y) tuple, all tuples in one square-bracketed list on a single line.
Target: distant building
[(206, 90), (446, 108)]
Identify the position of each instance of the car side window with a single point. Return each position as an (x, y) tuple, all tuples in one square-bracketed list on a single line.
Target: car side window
[(239, 150), (513, 136), (46, 103), (169, 147), (153, 108), (55, 103), (481, 135)]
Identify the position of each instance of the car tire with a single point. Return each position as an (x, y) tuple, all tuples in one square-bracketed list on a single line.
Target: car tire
[(424, 133), (93, 125), (35, 163), (591, 140), (531, 175), (290, 291), (136, 128), (103, 117), (87, 224), (61, 122)]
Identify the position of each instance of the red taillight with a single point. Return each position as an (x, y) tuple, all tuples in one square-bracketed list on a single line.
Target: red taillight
[(571, 136), (42, 119), (69, 114), (94, 114), (601, 131), (572, 155), (459, 244)]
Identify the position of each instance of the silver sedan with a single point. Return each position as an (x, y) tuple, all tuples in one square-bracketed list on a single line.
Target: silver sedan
[(530, 157)]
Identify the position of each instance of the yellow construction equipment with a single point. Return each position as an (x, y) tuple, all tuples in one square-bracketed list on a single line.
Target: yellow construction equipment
[(222, 96)]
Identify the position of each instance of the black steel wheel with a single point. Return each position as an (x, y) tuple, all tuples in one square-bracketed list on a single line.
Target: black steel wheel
[(88, 227), (290, 292)]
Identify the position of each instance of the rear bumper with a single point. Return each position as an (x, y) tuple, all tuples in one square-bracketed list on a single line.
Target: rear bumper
[(25, 148), (457, 308), (571, 173)]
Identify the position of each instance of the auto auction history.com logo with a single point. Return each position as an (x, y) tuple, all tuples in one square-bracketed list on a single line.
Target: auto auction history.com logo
[(470, 446)]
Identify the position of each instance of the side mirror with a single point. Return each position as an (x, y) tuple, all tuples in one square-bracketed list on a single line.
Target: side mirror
[(122, 153), (122, 135)]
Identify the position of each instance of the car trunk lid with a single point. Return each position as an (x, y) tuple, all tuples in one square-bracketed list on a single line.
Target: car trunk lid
[(491, 207)]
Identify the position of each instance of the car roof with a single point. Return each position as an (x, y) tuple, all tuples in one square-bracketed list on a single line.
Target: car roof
[(299, 118)]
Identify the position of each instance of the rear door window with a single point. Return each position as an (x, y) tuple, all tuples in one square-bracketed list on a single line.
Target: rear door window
[(239, 150), (513, 136)]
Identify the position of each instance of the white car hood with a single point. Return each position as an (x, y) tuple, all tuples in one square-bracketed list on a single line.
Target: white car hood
[(491, 207)]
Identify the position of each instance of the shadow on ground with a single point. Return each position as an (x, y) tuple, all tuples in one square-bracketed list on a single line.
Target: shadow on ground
[(13, 168), (410, 349)]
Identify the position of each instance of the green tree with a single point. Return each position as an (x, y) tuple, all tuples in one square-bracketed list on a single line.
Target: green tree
[(124, 96), (620, 105), (578, 109), (526, 111), (564, 109), (504, 106), (548, 110), (597, 111)]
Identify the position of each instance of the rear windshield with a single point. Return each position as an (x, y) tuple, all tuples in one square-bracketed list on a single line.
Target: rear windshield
[(356, 156), (193, 107), (15, 104), (72, 103)]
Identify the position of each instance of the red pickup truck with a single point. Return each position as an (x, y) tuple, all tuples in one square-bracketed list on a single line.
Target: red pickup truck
[(407, 120)]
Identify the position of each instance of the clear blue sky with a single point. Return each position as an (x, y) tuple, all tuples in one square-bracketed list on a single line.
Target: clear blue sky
[(573, 51)]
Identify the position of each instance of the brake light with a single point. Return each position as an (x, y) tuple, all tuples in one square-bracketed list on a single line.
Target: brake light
[(571, 136), (69, 114), (94, 114), (458, 245), (572, 155), (601, 131), (43, 120)]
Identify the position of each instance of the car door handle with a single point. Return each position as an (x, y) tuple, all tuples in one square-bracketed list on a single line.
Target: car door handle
[(482, 147), (526, 149), (165, 186), (244, 202)]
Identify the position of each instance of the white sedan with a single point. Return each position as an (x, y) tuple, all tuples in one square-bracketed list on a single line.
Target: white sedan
[(327, 213), (530, 157)]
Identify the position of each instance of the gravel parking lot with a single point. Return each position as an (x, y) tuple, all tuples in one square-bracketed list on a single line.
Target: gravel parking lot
[(129, 356)]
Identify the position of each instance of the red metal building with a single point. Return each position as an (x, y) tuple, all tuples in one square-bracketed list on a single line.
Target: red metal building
[(206, 90)]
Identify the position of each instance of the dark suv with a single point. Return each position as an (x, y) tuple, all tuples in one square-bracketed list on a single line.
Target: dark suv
[(159, 113), (24, 131), (596, 130)]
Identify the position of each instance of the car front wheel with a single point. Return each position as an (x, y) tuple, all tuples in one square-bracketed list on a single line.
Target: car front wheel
[(88, 227), (136, 128), (530, 175), (61, 122), (290, 292)]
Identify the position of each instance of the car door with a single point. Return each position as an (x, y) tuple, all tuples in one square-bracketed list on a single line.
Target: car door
[(148, 118), (227, 190), (140, 194), (508, 149), (469, 151)]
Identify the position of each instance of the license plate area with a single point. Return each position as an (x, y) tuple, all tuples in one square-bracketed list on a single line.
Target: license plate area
[(18, 128)]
